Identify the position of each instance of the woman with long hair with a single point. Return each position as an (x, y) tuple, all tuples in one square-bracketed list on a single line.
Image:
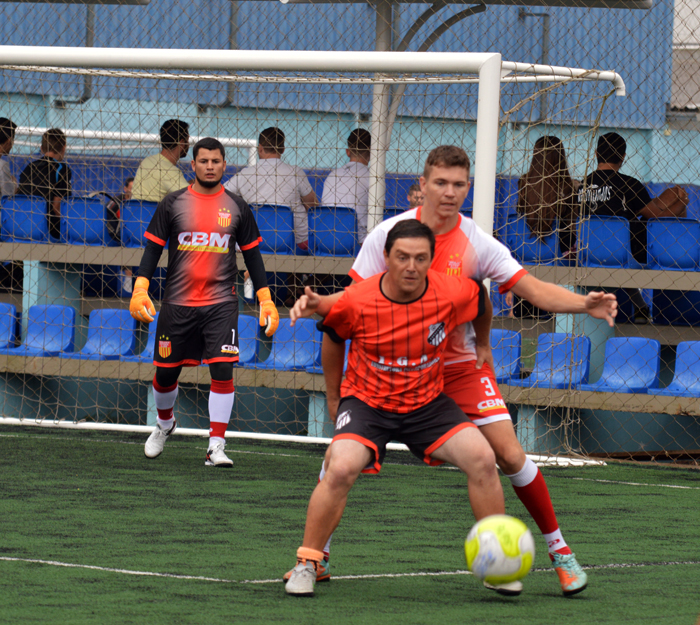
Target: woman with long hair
[(547, 192)]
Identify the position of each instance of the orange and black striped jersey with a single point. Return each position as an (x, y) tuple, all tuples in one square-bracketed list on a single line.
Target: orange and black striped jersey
[(202, 231), (395, 361)]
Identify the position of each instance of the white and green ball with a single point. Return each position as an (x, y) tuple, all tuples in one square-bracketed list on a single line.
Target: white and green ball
[(500, 549)]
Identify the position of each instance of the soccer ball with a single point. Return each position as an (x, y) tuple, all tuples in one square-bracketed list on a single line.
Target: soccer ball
[(500, 549)]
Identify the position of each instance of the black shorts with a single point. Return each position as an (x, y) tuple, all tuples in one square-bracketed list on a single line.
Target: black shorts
[(189, 335), (422, 431)]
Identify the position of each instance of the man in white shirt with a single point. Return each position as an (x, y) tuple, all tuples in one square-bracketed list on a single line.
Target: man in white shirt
[(8, 183), (271, 181), (349, 184), (159, 174)]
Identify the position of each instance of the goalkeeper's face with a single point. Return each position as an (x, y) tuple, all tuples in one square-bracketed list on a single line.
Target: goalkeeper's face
[(444, 191), (209, 167)]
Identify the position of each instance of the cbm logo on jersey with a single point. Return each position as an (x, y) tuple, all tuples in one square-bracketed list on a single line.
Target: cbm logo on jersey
[(343, 419), (164, 347), (436, 334), (204, 241), (224, 218)]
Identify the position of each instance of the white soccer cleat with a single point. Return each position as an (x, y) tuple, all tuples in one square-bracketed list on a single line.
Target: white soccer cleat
[(156, 441), (302, 580), (511, 589), (217, 458)]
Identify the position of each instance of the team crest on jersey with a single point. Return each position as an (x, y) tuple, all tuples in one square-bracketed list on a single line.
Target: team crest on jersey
[(454, 265), (164, 347), (224, 218), (436, 333), (342, 420)]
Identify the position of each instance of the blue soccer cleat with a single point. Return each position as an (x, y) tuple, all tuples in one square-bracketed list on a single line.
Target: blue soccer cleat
[(572, 577)]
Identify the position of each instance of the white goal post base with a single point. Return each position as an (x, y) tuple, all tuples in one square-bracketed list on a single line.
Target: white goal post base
[(539, 460)]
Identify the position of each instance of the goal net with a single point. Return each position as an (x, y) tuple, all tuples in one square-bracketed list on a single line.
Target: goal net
[(72, 354)]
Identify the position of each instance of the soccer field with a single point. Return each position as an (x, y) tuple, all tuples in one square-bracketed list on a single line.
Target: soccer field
[(93, 532)]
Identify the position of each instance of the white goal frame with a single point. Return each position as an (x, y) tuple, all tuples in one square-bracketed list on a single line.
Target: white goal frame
[(489, 68)]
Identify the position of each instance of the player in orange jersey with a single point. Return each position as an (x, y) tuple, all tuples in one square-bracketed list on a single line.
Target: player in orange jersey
[(398, 322), (462, 248), (198, 321)]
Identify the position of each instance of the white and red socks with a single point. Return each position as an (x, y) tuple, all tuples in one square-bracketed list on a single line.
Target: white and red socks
[(531, 489), (221, 394), (164, 397)]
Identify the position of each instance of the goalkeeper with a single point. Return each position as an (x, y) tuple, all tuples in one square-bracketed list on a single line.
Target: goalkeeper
[(198, 321)]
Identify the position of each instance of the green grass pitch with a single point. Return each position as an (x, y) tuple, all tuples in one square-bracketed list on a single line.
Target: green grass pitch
[(93, 499)]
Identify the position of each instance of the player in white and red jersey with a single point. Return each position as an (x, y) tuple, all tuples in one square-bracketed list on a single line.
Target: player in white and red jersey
[(464, 249)]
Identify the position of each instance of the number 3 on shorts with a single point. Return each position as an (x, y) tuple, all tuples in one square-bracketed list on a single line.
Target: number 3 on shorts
[(489, 392)]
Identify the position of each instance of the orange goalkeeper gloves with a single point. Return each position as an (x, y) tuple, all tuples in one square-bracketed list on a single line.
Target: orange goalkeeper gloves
[(269, 317), (141, 307)]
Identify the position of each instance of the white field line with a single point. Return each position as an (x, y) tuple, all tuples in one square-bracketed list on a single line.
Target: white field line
[(339, 577), (540, 460)]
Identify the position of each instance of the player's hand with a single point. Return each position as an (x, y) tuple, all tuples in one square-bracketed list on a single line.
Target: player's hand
[(332, 403), (269, 317), (141, 306), (305, 306), (484, 354), (602, 306)]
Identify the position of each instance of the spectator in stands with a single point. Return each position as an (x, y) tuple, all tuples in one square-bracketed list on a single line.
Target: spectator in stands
[(8, 184), (272, 181), (113, 209), (608, 192), (159, 174), (415, 196), (547, 193), (349, 185), (49, 177)]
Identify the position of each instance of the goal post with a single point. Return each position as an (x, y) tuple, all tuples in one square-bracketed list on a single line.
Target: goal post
[(475, 100)]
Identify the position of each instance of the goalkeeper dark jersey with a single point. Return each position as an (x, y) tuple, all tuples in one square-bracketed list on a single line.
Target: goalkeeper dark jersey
[(202, 231)]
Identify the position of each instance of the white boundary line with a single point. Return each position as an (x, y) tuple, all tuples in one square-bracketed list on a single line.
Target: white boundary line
[(540, 460), (278, 580)]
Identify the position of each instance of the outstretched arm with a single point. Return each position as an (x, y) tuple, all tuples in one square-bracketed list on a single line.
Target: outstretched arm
[(311, 303), (556, 299)]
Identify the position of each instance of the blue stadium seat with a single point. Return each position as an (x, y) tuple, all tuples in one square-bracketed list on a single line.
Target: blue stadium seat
[(317, 367), (136, 216), (506, 349), (562, 360), (111, 334), (276, 225), (8, 325), (293, 348), (631, 366), (677, 308), (24, 220), (529, 249), (248, 344), (673, 244), (50, 331), (83, 222), (333, 231), (147, 354), (686, 379), (605, 242), (506, 207)]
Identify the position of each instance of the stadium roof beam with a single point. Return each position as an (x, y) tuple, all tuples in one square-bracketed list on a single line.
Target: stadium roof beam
[(121, 2)]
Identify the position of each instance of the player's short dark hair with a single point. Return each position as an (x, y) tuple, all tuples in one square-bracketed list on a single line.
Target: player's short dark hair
[(413, 188), (446, 156), (208, 143), (611, 148), (7, 129), (128, 181), (53, 140), (272, 140), (409, 229), (173, 132), (360, 140)]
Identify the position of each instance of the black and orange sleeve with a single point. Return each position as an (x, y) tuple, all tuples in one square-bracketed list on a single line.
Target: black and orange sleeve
[(339, 323), (158, 230), (470, 302), (247, 234)]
